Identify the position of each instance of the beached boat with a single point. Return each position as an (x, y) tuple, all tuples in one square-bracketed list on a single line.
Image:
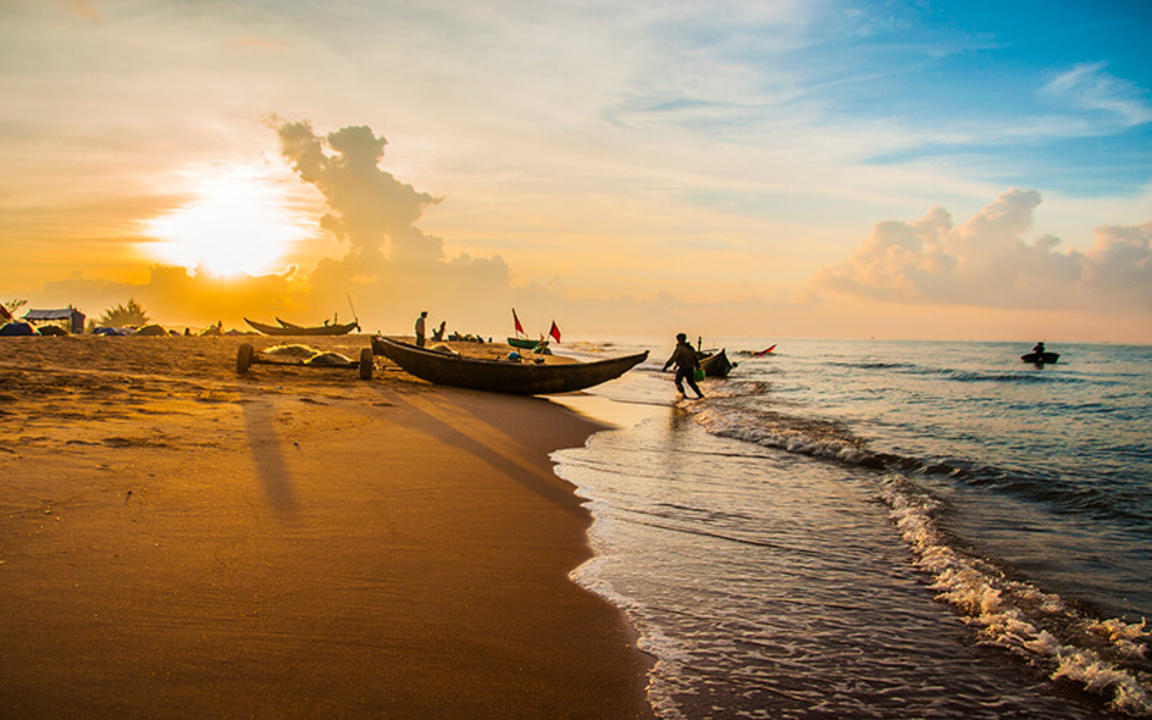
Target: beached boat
[(1045, 358), (288, 329), (539, 347), (716, 364), (526, 343), (523, 378)]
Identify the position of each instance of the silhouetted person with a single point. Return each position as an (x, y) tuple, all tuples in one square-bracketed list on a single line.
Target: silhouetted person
[(1038, 348), (420, 328), (438, 333), (684, 357)]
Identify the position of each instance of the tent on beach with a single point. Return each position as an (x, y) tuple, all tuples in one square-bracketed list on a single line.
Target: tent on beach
[(69, 318)]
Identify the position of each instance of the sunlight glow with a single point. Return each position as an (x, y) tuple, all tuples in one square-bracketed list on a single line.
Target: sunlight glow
[(238, 221)]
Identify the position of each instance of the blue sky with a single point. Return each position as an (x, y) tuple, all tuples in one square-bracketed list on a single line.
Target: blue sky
[(611, 155)]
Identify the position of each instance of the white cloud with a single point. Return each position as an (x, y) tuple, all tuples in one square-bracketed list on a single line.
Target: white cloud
[(987, 262), (1091, 87)]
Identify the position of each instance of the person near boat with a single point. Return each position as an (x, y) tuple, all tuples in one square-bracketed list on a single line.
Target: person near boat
[(686, 362), (420, 328)]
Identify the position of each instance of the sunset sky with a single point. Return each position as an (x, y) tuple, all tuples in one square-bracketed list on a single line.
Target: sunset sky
[(952, 170)]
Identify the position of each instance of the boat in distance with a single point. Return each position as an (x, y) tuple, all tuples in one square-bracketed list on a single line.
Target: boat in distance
[(506, 376), (1044, 358), (288, 330)]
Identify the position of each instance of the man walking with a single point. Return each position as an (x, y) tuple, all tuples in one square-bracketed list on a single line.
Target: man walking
[(684, 357)]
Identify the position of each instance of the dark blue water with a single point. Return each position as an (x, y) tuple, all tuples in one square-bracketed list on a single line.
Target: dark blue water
[(882, 529)]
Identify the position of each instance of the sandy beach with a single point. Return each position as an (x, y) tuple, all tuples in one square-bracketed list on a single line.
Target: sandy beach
[(180, 541)]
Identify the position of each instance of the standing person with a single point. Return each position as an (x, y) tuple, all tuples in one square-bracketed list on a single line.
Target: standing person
[(420, 328), (684, 357)]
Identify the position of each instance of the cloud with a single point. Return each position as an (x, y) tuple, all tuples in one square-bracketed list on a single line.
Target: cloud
[(986, 262), (82, 8), (1090, 86), (368, 207), (392, 265), (389, 266)]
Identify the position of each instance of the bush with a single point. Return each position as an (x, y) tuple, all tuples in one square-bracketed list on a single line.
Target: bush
[(123, 315)]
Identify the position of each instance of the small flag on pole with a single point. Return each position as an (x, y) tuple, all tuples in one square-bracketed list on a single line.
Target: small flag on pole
[(555, 331), (519, 327)]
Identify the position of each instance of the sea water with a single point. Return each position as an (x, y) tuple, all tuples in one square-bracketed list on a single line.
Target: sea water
[(880, 529)]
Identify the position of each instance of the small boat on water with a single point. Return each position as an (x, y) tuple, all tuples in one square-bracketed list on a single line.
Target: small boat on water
[(762, 353), (522, 378), (288, 329), (1038, 358), (716, 364)]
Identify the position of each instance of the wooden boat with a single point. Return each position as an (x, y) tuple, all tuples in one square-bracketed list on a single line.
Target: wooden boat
[(762, 353), (526, 343), (1046, 358), (291, 330), (522, 378), (716, 364)]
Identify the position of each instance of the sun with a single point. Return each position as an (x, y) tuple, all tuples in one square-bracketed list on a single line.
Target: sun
[(237, 221)]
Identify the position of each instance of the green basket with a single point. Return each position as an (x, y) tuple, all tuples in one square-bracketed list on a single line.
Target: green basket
[(698, 374)]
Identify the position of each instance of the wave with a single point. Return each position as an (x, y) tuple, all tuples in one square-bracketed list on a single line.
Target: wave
[(1023, 376), (834, 441), (1107, 657)]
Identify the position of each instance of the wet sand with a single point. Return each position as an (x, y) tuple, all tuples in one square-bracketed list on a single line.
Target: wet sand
[(180, 541)]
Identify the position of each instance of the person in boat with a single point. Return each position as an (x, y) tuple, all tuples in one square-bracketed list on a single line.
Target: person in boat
[(686, 362), (420, 328), (1038, 348), (438, 333)]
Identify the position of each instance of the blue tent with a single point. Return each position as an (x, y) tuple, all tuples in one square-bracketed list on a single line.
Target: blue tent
[(14, 329)]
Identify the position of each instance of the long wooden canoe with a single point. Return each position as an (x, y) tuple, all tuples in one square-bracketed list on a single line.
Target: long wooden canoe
[(294, 330), (522, 378)]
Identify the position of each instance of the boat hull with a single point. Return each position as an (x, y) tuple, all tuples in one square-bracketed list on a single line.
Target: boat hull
[(716, 364), (526, 343), (296, 330), (1047, 358), (501, 375)]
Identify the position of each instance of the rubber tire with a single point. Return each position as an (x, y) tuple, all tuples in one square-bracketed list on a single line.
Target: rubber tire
[(243, 358), (367, 363)]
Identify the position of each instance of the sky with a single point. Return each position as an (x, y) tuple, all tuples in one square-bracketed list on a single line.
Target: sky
[(962, 170)]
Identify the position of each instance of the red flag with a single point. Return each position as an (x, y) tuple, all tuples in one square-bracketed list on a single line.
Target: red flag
[(555, 331), (519, 327)]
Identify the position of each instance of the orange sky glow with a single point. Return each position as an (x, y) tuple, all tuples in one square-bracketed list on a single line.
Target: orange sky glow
[(631, 178)]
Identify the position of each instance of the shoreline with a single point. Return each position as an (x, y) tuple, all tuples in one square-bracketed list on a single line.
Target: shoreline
[(182, 541)]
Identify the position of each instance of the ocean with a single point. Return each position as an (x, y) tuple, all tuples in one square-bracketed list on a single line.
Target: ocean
[(878, 529)]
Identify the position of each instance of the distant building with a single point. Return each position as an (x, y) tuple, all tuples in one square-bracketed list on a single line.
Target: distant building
[(69, 318)]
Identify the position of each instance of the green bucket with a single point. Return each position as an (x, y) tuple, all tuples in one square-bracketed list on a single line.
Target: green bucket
[(698, 374)]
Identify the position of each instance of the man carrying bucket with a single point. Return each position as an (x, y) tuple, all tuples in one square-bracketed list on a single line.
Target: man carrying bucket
[(684, 357)]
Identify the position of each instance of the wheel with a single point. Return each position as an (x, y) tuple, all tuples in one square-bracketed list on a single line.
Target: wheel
[(244, 358), (367, 364)]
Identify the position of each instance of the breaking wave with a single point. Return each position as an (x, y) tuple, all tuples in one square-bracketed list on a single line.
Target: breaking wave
[(1107, 657)]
